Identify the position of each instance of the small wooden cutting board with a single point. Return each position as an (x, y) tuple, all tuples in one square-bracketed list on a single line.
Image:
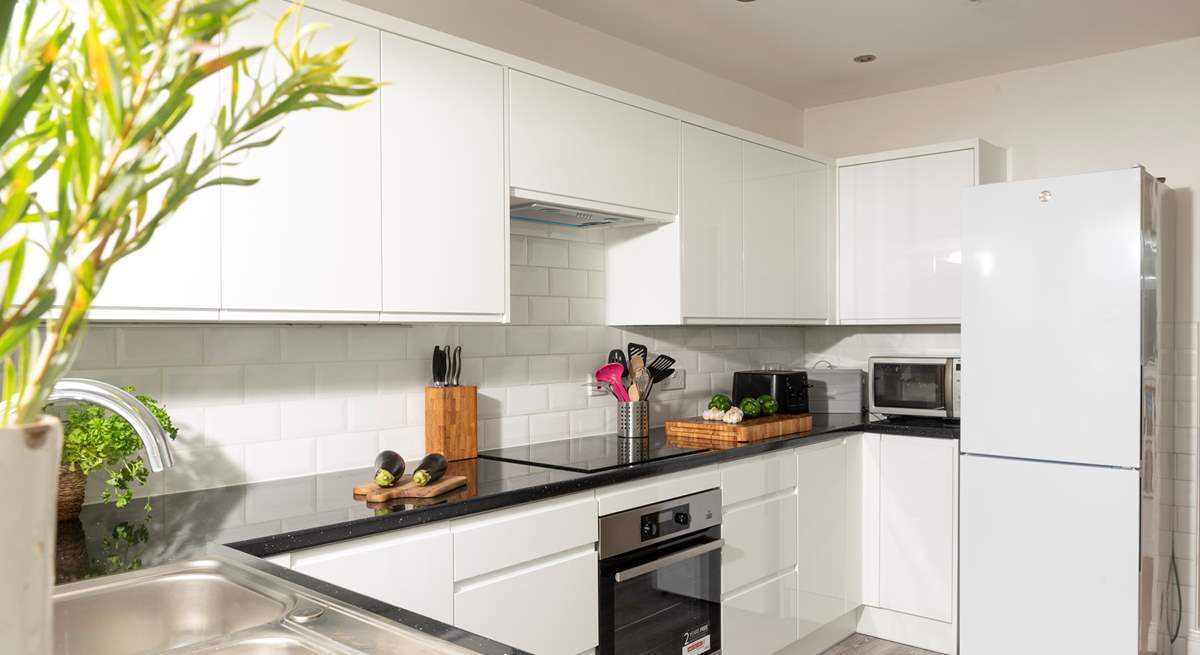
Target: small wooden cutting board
[(373, 493), (754, 429)]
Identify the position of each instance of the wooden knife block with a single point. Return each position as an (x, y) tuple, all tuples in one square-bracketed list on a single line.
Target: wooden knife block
[(450, 422)]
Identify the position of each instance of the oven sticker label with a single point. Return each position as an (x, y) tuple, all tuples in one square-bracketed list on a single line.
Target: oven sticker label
[(696, 642)]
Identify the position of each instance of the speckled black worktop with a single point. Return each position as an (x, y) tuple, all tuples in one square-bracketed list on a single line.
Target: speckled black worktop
[(268, 518)]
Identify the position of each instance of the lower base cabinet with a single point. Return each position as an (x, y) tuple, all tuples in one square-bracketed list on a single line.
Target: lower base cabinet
[(762, 618), (546, 608)]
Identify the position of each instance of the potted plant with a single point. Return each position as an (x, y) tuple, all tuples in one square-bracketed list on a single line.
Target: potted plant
[(92, 94), (97, 440)]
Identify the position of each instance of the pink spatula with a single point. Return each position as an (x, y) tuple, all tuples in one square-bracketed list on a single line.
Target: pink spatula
[(611, 373)]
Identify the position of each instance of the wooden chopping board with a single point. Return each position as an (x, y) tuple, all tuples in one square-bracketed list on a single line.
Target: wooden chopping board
[(754, 429), (373, 493)]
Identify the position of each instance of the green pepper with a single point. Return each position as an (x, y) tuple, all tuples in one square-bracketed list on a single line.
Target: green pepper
[(750, 407), (769, 406), (721, 402)]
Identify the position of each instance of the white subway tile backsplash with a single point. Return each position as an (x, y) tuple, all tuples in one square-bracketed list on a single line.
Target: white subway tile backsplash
[(518, 251), (568, 339), (280, 382), (378, 342), (519, 310), (596, 284), (547, 252), (587, 422), (528, 339), (409, 442), (160, 346), (525, 281), (526, 400), (489, 402), (406, 375), (230, 425), (697, 338), (147, 381), (205, 468), (586, 311), (346, 451), (548, 368), (241, 344), (724, 337), (507, 431), (422, 339), (505, 371), (603, 339), (568, 282), (583, 367), (313, 418), (203, 385), (379, 412), (482, 340), (98, 349), (548, 310), (567, 395), (315, 343), (415, 408), (587, 256), (549, 427), (347, 379), (274, 460)]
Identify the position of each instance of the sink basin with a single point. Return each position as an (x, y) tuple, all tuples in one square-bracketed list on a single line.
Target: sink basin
[(217, 606)]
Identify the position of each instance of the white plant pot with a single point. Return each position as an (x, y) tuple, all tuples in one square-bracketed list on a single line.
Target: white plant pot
[(29, 483)]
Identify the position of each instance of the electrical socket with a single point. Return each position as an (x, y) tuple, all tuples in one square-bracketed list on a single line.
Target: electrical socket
[(678, 380)]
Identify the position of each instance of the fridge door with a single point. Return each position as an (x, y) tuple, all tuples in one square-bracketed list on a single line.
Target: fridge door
[(1051, 321), (1048, 558)]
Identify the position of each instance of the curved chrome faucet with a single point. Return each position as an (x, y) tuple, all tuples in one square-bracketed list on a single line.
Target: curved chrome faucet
[(125, 405)]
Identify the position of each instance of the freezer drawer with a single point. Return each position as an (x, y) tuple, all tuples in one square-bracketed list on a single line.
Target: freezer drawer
[(1048, 558)]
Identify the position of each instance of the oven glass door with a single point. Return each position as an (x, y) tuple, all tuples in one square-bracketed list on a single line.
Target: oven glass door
[(665, 600), (919, 386)]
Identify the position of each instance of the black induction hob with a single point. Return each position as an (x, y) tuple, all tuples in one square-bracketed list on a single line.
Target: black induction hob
[(590, 454)]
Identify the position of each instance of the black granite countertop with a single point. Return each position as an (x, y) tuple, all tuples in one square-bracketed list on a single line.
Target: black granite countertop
[(268, 518)]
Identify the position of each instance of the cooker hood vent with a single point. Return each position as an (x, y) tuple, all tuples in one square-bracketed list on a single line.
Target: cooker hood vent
[(566, 216)]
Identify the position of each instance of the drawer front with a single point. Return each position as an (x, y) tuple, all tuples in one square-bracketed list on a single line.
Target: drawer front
[(483, 544), (659, 488), (757, 476), (761, 619), (410, 568), (547, 608), (760, 541)]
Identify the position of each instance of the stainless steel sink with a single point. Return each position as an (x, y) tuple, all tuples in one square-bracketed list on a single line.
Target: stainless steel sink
[(215, 606)]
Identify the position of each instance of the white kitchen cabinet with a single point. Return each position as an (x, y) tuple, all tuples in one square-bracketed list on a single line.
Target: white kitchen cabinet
[(761, 618), (304, 241), (177, 275), (711, 224), (899, 251), (547, 607), (445, 220), (411, 568), (760, 540), (576, 145), (821, 474), (918, 525)]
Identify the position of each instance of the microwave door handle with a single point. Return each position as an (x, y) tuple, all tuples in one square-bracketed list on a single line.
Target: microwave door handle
[(673, 558), (948, 389)]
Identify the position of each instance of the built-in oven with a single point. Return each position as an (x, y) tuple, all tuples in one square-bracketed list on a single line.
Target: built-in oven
[(660, 578), (915, 386)]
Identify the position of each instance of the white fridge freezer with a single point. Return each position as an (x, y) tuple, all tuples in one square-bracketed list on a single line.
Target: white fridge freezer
[(1060, 500)]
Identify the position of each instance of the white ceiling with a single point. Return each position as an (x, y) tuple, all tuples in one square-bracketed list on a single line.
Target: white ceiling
[(801, 50)]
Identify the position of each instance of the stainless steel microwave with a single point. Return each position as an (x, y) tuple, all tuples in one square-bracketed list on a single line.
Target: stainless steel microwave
[(915, 386)]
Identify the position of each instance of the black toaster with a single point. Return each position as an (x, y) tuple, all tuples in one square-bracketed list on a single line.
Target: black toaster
[(788, 388)]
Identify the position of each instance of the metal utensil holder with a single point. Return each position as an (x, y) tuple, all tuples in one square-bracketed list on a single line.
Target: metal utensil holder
[(633, 419)]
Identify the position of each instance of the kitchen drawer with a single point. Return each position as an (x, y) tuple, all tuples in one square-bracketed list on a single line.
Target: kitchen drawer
[(760, 541), (409, 568), (497, 540), (757, 477), (657, 489), (547, 608), (761, 619)]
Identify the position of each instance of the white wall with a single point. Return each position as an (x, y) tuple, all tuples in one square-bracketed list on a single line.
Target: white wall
[(536, 34), (1135, 107)]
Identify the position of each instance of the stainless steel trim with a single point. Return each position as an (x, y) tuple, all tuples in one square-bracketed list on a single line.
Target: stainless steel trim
[(951, 410), (621, 532), (555, 214), (673, 558)]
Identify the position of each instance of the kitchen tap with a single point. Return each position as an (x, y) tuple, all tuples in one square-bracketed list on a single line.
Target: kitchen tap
[(125, 405)]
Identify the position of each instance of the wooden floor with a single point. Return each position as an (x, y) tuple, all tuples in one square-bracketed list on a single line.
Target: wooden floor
[(864, 645)]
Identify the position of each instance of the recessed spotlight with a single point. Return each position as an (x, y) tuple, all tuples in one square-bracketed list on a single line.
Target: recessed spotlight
[(865, 59), (745, 0)]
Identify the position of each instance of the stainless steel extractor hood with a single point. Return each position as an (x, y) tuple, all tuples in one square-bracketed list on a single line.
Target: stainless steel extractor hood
[(565, 216)]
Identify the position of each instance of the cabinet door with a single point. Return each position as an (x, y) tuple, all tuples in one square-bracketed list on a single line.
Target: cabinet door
[(760, 541), (178, 273), (761, 619), (711, 224), (917, 509), (444, 203), (569, 142), (821, 487), (411, 568), (547, 607), (900, 252), (306, 237)]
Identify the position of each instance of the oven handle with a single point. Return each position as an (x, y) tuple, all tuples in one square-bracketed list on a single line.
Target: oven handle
[(673, 558)]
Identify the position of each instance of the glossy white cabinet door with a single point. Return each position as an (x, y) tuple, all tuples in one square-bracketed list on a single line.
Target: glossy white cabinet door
[(569, 142), (917, 525), (822, 556), (711, 224), (445, 249), (760, 619), (899, 252), (547, 607), (411, 568), (306, 237), (760, 540), (178, 272), (771, 197)]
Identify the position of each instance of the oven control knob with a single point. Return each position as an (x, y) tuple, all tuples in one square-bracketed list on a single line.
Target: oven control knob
[(682, 518)]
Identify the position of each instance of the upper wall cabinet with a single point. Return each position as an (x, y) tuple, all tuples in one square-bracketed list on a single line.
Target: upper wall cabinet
[(899, 256), (445, 205), (576, 145), (305, 239)]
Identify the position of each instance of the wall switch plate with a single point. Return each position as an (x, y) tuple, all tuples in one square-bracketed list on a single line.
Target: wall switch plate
[(678, 380)]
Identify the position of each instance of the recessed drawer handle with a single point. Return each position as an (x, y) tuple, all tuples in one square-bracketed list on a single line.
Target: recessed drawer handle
[(673, 558)]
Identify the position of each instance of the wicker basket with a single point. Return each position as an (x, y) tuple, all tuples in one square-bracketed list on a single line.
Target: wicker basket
[(71, 487)]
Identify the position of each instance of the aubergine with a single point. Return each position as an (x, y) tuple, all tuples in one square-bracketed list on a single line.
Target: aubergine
[(431, 469), (389, 467)]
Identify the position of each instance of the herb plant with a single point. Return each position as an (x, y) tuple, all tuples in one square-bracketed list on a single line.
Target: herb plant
[(96, 439)]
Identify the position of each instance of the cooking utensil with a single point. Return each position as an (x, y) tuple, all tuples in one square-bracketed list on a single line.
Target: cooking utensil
[(617, 356), (456, 366), (640, 378), (439, 367), (611, 373), (660, 375), (662, 362), (637, 350)]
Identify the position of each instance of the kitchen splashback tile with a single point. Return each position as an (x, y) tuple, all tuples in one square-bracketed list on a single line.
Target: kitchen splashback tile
[(159, 346), (347, 379), (241, 344), (567, 340), (596, 284), (567, 282), (405, 376), (313, 418), (519, 310), (482, 340), (346, 451), (526, 400), (587, 256), (587, 311), (549, 427), (230, 425), (518, 251), (505, 371), (422, 339), (378, 342), (508, 431), (549, 368), (548, 310), (274, 460), (280, 382), (527, 281), (203, 385), (99, 348), (408, 441), (377, 412), (528, 339), (567, 395), (547, 252), (147, 381), (315, 343), (205, 468)]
